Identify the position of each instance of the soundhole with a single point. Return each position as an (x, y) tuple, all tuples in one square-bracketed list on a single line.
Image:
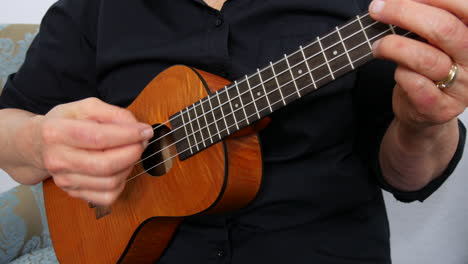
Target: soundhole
[(159, 155)]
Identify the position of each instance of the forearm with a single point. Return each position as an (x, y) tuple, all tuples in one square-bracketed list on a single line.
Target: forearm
[(411, 157), (17, 146)]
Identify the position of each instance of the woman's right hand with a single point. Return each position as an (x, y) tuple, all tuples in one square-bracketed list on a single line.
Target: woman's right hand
[(88, 147)]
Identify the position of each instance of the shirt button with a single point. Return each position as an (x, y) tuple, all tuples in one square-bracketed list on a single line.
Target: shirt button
[(218, 22), (220, 253)]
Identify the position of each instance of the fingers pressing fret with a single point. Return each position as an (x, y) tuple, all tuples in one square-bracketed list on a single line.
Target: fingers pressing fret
[(443, 29)]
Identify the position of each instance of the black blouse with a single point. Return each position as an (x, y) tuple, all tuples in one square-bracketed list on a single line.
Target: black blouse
[(320, 199)]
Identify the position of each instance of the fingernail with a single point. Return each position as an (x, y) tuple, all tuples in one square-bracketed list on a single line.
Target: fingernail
[(375, 45), (147, 133), (377, 6), (145, 144)]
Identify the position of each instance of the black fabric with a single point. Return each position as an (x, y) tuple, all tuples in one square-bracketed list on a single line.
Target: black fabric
[(425, 192), (320, 199)]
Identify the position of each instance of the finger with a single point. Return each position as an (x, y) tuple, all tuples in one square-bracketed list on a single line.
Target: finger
[(94, 109), (63, 159), (415, 55), (457, 7), (439, 27), (73, 182), (430, 103), (97, 197), (87, 134)]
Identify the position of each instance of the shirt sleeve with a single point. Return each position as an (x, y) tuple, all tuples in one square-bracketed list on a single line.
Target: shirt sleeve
[(430, 188), (60, 64), (373, 94)]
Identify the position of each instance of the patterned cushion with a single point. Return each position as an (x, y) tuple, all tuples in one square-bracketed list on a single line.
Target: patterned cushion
[(24, 232), (14, 41), (43, 256), (23, 225)]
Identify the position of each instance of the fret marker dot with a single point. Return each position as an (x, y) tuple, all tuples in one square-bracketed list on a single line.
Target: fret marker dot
[(236, 105), (335, 52), (259, 93), (299, 71)]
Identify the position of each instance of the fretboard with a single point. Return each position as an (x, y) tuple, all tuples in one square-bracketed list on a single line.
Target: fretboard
[(273, 87)]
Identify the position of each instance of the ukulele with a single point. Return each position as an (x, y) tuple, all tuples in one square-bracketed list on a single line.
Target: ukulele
[(204, 157)]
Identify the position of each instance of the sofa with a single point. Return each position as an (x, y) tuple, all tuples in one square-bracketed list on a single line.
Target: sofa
[(24, 234)]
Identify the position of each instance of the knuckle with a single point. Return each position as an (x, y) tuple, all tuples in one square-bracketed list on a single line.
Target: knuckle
[(74, 194), (113, 183), (399, 11), (426, 106), (418, 84), (428, 62), (49, 132), (445, 30), (127, 114), (123, 114), (102, 167), (91, 101), (62, 182), (90, 137), (109, 198), (53, 163), (98, 139)]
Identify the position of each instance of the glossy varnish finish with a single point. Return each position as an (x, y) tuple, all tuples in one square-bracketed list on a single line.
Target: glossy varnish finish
[(225, 176)]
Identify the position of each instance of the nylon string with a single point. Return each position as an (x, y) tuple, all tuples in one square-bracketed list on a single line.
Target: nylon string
[(135, 176), (263, 81)]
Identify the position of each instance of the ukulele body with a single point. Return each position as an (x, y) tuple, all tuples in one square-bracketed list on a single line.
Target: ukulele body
[(225, 176)]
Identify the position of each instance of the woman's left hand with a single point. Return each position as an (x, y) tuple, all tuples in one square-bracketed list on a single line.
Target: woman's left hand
[(417, 101)]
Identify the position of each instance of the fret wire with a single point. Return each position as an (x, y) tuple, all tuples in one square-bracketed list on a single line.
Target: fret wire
[(310, 44), (240, 100), (320, 78), (259, 72), (262, 82), (264, 90), (251, 94), (277, 83), (214, 117), (186, 132), (198, 121), (227, 128), (308, 68), (266, 95), (325, 57), (392, 29), (193, 133), (222, 111), (206, 121), (232, 109), (292, 76), (364, 31), (344, 47), (241, 120)]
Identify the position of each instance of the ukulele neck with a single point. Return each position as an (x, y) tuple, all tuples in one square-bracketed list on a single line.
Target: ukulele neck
[(280, 83)]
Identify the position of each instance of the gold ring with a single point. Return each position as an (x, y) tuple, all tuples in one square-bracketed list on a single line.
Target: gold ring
[(447, 82)]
